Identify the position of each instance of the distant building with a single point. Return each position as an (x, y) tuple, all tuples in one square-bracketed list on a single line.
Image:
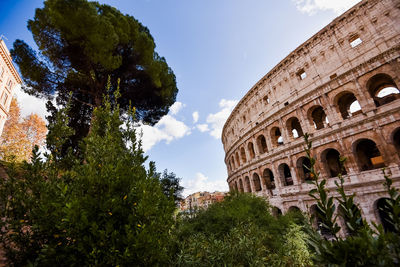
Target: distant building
[(200, 200), (9, 80)]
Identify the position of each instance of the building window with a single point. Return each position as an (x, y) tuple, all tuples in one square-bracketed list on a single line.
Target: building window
[(301, 74), (9, 84), (355, 41), (4, 98)]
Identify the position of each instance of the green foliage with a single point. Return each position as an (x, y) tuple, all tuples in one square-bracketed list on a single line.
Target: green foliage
[(325, 205), (240, 231), (363, 246), (81, 44), (170, 185), (108, 211)]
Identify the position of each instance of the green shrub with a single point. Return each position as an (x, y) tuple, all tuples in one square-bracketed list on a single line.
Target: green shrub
[(106, 210)]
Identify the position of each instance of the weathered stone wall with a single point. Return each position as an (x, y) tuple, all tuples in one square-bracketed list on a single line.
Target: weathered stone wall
[(316, 89)]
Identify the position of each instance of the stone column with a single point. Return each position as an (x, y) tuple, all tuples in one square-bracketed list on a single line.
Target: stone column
[(333, 116), (304, 122), (366, 102)]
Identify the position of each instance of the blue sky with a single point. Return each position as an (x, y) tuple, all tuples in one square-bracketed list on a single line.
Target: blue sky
[(218, 50)]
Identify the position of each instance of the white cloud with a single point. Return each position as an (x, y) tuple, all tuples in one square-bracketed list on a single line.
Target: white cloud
[(195, 116), (168, 129), (202, 183), (30, 104), (218, 119), (312, 6), (202, 127), (176, 107)]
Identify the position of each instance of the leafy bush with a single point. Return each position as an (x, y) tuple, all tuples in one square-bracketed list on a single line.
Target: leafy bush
[(105, 211), (240, 231)]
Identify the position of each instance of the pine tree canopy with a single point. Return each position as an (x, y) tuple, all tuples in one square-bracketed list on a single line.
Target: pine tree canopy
[(83, 43)]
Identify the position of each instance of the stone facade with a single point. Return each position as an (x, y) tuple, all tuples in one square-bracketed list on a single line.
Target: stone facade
[(341, 87), (9, 80), (200, 200)]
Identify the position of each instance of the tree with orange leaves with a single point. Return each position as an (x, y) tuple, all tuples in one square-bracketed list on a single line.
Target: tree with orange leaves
[(21, 135)]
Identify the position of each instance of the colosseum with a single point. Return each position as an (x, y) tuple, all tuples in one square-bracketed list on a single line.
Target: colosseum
[(341, 87)]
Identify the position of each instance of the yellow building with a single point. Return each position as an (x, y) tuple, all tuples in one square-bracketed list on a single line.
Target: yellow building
[(9, 80)]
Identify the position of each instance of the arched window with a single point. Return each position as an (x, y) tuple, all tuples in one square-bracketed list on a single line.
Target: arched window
[(241, 188), (233, 162), (285, 174), (385, 210), (256, 182), (237, 159), (294, 127), (396, 140), (331, 160), (236, 186), (294, 209), (247, 183), (383, 89), (243, 155), (368, 155), (319, 118), (251, 150), (276, 136), (262, 144), (303, 167), (348, 105), (269, 180), (276, 211)]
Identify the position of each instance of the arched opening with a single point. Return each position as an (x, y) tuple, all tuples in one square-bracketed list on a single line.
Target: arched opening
[(319, 118), (262, 144), (241, 188), (348, 105), (236, 186), (303, 167), (243, 155), (256, 182), (331, 160), (294, 209), (247, 184), (269, 180), (396, 140), (294, 127), (368, 155), (237, 159), (250, 147), (385, 212), (233, 162), (285, 174), (276, 211), (276, 136), (230, 165), (383, 89)]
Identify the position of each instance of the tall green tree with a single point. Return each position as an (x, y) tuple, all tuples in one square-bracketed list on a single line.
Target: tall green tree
[(83, 43)]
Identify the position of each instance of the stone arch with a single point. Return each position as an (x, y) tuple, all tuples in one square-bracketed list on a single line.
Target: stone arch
[(303, 166), (294, 209), (262, 144), (243, 155), (382, 210), (330, 158), (276, 136), (382, 89), (275, 211), (285, 174), (318, 117), (367, 155), (237, 159), (247, 184), (233, 162), (241, 187), (347, 104), (250, 147), (396, 140), (269, 179), (236, 186), (257, 182), (294, 127)]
